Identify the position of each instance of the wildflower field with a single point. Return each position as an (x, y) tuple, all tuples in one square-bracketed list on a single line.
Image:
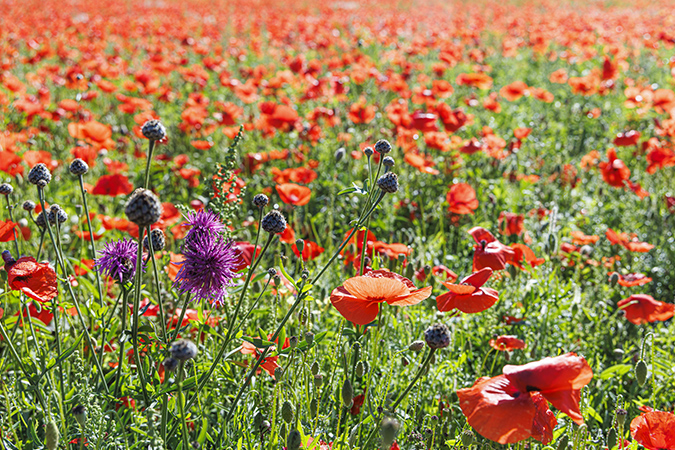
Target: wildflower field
[(409, 224)]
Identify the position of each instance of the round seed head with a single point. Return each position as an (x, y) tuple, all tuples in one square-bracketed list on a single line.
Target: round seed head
[(437, 336), (368, 151), (183, 350), (260, 201), (383, 146), (388, 182), (143, 208), (153, 130), (39, 175), (339, 154), (78, 167), (388, 162), (28, 205), (170, 364), (157, 239), (56, 213), (40, 220), (274, 222), (6, 189)]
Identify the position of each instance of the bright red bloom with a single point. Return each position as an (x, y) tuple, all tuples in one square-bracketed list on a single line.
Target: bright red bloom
[(359, 298), (632, 279), (626, 139), (654, 430), (507, 343), (514, 91), (642, 308), (469, 296), (113, 185), (614, 171), (631, 242), (511, 223), (7, 231), (512, 407), (294, 194), (37, 280), (524, 254), (462, 199), (490, 252)]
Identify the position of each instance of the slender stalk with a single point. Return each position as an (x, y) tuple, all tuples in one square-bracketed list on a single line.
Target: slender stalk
[(92, 242), (147, 165), (106, 324), (137, 302), (179, 324), (11, 217), (120, 359), (181, 406), (162, 317), (420, 372)]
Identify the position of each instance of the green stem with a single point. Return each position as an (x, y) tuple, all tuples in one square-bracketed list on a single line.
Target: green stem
[(147, 165), (92, 246), (162, 317), (420, 372), (120, 359), (137, 302), (181, 407), (11, 217)]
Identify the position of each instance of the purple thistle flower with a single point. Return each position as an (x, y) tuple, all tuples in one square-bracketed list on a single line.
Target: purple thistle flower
[(203, 223), (118, 260), (209, 267)]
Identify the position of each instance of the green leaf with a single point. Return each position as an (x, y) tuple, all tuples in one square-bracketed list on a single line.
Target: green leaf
[(288, 277), (63, 357)]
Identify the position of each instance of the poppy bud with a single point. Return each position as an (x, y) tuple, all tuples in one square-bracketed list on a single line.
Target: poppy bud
[(309, 338), (313, 407), (315, 368), (300, 245), (277, 281), (51, 436), (347, 393), (641, 372), (389, 430), (287, 411), (293, 341), (611, 438), (621, 416), (552, 243), (359, 369), (467, 438), (318, 380), (80, 414), (356, 348), (258, 420), (562, 443), (293, 440), (614, 279), (278, 373), (416, 346), (404, 361)]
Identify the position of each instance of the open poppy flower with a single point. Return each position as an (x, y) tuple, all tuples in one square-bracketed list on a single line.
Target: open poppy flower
[(294, 194), (490, 252), (525, 255), (631, 243), (513, 407), (632, 279), (270, 363), (7, 231), (654, 430), (507, 343), (642, 308), (359, 298), (113, 185), (614, 171), (37, 280), (468, 296), (462, 199)]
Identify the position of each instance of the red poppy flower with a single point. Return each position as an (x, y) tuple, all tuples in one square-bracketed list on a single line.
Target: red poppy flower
[(513, 407), (614, 171), (490, 252), (246, 249), (654, 430), (269, 364), (514, 91), (629, 242), (294, 194), (462, 199), (441, 270), (507, 343), (632, 279), (359, 298), (10, 163), (511, 223), (36, 280), (642, 308), (7, 231), (525, 255), (580, 238), (113, 185), (627, 139), (469, 296)]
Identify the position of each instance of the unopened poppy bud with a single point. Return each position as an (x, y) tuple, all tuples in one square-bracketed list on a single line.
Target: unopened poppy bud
[(277, 281), (80, 414), (293, 440), (359, 369), (318, 380), (300, 245), (313, 407), (309, 338), (287, 411), (641, 372), (278, 373), (621, 416), (434, 420), (611, 438), (315, 368), (368, 151), (405, 361), (614, 279), (356, 348), (467, 438), (339, 154), (293, 341), (51, 436), (562, 443), (347, 393), (258, 420), (416, 346), (389, 430)]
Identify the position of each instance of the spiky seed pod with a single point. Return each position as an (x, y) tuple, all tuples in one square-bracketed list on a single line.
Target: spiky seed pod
[(157, 239), (347, 393), (388, 182), (389, 430), (274, 222), (56, 213), (143, 208), (39, 175), (437, 336), (153, 130), (28, 205), (467, 438), (170, 364), (388, 162), (294, 440), (78, 167), (383, 146), (368, 151), (183, 350), (51, 436), (641, 372), (287, 411), (416, 346), (6, 189), (260, 201), (40, 220)]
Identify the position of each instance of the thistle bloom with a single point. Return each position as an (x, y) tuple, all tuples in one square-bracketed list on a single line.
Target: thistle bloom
[(208, 268), (202, 223), (118, 260)]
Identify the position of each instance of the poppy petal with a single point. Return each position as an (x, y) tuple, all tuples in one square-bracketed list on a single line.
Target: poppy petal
[(355, 310), (368, 288), (411, 299)]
